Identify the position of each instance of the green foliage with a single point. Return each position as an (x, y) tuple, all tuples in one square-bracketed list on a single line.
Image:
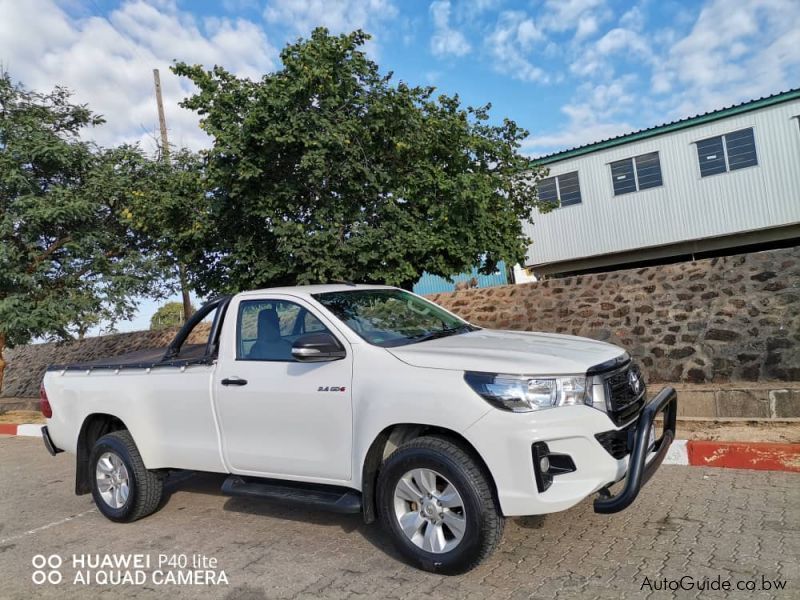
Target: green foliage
[(68, 259), (168, 315), (172, 212), (327, 169)]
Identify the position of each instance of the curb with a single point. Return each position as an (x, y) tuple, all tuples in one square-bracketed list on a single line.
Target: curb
[(760, 456), (26, 429)]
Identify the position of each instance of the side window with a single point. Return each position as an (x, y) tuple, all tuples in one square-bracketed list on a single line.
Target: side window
[(548, 190), (623, 177), (194, 344), (266, 329), (569, 189), (561, 190), (735, 150), (635, 174)]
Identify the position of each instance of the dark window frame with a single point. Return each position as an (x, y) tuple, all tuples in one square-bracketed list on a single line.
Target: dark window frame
[(722, 141), (559, 203), (635, 168)]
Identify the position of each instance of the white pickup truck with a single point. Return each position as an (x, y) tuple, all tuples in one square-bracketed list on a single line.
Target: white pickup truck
[(370, 399)]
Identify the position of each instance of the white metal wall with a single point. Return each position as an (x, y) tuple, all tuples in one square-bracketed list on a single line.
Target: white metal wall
[(687, 207)]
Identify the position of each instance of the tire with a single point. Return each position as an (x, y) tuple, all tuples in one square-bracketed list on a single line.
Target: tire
[(448, 550), (144, 490)]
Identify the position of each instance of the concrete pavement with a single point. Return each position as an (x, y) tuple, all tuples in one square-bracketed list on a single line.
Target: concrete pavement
[(699, 524)]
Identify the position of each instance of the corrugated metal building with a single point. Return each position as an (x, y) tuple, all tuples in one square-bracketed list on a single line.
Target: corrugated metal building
[(433, 284), (717, 181)]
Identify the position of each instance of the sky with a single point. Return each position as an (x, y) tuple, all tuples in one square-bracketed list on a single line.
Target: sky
[(569, 71)]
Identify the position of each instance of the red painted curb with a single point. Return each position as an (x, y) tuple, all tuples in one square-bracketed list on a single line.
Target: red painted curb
[(8, 429), (760, 456)]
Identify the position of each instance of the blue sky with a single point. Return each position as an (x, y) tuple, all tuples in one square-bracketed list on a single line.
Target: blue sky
[(569, 71)]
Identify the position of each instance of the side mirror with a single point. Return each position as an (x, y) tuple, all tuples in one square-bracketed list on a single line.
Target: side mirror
[(317, 347)]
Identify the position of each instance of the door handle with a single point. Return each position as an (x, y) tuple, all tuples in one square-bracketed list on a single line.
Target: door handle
[(234, 381)]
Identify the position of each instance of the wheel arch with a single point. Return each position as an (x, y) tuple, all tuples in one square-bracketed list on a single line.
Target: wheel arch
[(391, 438), (94, 426)]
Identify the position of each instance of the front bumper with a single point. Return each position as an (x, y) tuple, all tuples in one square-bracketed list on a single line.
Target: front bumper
[(504, 440), (640, 470)]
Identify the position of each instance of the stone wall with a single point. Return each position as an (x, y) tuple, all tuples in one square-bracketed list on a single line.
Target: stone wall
[(727, 319)]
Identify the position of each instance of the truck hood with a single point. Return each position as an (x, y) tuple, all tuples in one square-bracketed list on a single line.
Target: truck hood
[(512, 352)]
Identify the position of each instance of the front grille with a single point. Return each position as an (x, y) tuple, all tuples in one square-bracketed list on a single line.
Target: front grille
[(616, 442), (624, 401)]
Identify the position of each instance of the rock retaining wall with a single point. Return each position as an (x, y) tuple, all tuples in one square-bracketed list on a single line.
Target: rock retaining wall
[(734, 318)]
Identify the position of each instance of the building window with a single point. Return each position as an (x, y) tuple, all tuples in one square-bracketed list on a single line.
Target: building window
[(735, 150), (637, 173), (561, 190)]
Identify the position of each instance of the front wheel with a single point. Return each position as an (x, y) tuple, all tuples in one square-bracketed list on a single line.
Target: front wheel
[(123, 489), (436, 501)]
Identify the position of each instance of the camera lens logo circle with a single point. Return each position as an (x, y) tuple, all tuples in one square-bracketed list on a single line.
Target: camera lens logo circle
[(46, 569)]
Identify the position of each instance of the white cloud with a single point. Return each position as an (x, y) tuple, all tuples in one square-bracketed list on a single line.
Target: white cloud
[(736, 50), (511, 44), (732, 51), (339, 16), (108, 63), (587, 26), (570, 137), (564, 15), (599, 57), (633, 18), (598, 112), (445, 39)]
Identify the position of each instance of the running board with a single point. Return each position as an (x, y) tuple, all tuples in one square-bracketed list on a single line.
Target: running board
[(322, 497)]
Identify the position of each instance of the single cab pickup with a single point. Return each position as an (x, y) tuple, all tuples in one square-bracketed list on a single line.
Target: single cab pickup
[(365, 399)]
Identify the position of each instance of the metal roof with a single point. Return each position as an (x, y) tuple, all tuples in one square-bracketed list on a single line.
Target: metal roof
[(642, 134)]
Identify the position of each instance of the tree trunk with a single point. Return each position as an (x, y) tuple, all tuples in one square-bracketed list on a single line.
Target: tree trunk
[(2, 361)]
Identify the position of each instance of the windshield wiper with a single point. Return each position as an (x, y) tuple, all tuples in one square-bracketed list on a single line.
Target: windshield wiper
[(447, 331)]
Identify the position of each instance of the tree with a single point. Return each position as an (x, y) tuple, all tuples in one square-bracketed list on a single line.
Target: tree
[(172, 212), (67, 258), (168, 315), (327, 169)]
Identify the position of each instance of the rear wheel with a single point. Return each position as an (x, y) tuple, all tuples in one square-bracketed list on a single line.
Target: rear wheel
[(436, 501), (123, 489)]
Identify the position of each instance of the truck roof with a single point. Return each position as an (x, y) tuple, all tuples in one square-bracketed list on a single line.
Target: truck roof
[(307, 290)]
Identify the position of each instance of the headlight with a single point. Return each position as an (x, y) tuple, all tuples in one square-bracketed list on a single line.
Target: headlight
[(524, 394)]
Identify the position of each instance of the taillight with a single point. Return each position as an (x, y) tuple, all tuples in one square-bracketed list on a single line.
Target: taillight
[(44, 403)]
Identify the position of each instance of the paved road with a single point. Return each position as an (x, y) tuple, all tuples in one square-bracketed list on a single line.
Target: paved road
[(688, 521)]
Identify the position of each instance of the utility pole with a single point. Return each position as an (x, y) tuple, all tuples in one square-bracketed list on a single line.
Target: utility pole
[(162, 120), (162, 123)]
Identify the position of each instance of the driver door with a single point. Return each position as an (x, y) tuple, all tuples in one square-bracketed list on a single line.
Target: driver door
[(279, 416)]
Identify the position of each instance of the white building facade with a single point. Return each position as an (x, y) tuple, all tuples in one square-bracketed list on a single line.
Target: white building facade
[(711, 183)]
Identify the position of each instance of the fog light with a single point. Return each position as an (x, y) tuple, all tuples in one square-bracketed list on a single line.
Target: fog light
[(544, 464), (547, 465)]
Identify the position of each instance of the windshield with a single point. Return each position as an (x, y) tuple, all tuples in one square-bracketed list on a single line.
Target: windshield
[(391, 317)]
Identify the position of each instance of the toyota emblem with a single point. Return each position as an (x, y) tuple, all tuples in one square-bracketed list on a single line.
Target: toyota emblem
[(634, 382)]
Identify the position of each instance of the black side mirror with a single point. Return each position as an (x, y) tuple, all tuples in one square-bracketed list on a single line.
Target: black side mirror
[(317, 347)]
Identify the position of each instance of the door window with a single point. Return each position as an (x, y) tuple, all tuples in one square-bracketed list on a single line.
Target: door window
[(266, 329)]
